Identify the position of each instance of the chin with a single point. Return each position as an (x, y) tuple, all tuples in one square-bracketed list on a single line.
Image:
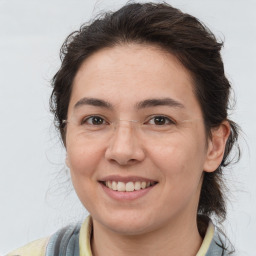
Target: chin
[(130, 229), (126, 223)]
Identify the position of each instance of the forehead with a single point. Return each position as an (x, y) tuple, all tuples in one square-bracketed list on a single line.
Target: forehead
[(143, 62), (125, 74)]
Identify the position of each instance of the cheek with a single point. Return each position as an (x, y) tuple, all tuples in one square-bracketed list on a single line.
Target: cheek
[(83, 162), (180, 163), (180, 158), (83, 156)]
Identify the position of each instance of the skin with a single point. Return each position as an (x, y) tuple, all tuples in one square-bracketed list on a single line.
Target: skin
[(162, 220)]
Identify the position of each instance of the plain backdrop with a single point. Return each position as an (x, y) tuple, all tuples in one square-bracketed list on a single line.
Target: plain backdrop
[(36, 197)]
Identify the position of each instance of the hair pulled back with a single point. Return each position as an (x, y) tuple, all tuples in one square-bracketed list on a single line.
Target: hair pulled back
[(178, 33)]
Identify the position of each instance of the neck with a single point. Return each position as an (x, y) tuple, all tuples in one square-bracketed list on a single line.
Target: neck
[(169, 240)]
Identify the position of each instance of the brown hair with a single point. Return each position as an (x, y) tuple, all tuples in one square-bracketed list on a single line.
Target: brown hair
[(176, 32)]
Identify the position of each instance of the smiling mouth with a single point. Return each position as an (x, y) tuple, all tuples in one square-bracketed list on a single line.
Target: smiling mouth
[(128, 186)]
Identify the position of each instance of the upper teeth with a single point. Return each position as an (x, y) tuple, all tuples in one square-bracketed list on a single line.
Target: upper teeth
[(129, 186)]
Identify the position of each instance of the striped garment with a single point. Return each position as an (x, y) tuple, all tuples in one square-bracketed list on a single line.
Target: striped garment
[(75, 241)]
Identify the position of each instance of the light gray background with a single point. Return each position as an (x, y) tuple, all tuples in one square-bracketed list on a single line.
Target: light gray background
[(35, 197)]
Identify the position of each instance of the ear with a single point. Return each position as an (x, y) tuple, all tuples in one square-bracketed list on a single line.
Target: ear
[(216, 146)]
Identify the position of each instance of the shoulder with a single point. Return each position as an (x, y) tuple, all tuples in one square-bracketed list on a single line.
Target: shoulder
[(35, 248), (64, 242), (214, 243), (220, 245), (59, 243)]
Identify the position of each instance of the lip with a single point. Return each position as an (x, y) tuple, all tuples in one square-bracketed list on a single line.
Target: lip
[(125, 179), (125, 196)]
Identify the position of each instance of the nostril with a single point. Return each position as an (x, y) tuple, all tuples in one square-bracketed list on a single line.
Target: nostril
[(124, 149), (123, 161)]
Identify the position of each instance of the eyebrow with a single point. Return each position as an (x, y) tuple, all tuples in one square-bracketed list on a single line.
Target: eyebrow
[(140, 105), (93, 102), (159, 102)]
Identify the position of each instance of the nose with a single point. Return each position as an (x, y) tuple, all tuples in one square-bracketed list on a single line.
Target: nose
[(124, 146)]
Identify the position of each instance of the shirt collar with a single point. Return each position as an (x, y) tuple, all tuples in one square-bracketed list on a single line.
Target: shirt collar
[(86, 232)]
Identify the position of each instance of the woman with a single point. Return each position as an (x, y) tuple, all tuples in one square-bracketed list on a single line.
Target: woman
[(141, 103)]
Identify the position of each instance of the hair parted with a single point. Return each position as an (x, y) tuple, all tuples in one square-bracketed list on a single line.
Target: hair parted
[(173, 31)]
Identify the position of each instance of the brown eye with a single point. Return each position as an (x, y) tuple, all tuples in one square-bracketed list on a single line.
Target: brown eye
[(94, 120), (160, 120)]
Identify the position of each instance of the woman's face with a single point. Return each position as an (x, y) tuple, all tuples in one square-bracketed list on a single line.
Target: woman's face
[(134, 121)]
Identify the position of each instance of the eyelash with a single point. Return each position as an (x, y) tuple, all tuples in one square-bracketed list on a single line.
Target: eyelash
[(86, 119), (168, 121)]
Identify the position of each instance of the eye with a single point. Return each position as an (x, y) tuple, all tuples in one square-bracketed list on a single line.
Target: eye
[(94, 120), (160, 120)]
